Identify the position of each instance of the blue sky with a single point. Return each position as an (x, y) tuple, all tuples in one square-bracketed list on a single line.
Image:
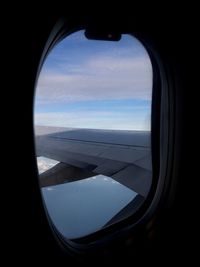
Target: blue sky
[(95, 84)]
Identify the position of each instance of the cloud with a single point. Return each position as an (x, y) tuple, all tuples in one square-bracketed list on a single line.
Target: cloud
[(100, 78), (45, 164), (96, 120)]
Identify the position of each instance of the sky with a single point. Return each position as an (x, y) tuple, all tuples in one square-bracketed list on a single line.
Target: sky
[(95, 84)]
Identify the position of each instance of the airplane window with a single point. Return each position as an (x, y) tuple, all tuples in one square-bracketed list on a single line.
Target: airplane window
[(92, 120)]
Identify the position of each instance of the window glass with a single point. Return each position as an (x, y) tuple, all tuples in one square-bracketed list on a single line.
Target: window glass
[(92, 120)]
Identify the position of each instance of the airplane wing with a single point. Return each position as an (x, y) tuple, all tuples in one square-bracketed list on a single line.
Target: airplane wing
[(125, 156)]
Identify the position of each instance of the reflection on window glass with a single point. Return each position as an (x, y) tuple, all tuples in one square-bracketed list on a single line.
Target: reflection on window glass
[(93, 130)]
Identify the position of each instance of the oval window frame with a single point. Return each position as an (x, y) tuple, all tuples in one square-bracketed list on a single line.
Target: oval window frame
[(162, 116)]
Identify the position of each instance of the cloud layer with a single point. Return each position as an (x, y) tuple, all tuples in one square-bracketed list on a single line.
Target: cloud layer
[(45, 164), (101, 79)]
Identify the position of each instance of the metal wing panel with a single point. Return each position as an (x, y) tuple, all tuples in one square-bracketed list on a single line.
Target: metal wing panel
[(127, 161)]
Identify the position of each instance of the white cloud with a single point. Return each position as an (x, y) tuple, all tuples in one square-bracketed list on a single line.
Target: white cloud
[(101, 78), (50, 189), (136, 64), (45, 164), (96, 119)]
